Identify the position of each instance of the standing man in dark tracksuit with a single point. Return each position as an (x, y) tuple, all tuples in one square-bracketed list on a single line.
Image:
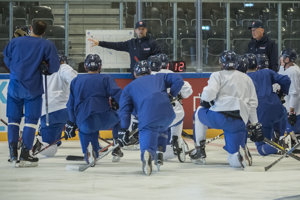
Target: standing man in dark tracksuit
[(262, 44), (139, 48)]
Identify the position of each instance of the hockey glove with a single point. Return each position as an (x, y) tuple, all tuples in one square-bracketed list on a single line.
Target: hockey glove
[(44, 68), (255, 131), (70, 129), (281, 96), (123, 137), (206, 104), (292, 118), (172, 99), (114, 104)]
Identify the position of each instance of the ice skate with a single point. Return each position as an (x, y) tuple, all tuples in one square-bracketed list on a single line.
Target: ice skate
[(13, 153), (198, 155), (26, 160), (147, 163), (241, 160), (247, 155), (181, 150), (37, 146), (175, 145), (117, 154), (160, 158)]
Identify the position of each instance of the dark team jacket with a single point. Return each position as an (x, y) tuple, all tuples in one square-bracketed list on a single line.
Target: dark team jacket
[(138, 48), (265, 46)]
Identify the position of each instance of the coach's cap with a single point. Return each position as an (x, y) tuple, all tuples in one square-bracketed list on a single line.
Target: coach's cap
[(256, 24), (140, 24)]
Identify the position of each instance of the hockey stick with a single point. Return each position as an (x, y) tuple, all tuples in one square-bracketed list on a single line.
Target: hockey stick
[(46, 147), (82, 168), (277, 146), (4, 122), (207, 142), (104, 140), (46, 101), (80, 158), (185, 134), (287, 153)]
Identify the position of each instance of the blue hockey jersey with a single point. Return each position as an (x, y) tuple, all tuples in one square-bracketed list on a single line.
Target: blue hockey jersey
[(148, 96), (269, 105), (89, 94), (23, 56)]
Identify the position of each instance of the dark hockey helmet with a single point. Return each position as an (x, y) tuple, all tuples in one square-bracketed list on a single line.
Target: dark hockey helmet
[(92, 62), (228, 60), (155, 63), (164, 60), (252, 60), (21, 31), (142, 68), (63, 59), (262, 61), (242, 64), (289, 53)]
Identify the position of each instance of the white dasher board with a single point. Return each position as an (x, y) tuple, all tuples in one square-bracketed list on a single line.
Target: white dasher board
[(110, 58)]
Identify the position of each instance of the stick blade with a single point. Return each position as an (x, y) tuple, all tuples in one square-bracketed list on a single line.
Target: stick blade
[(72, 167)]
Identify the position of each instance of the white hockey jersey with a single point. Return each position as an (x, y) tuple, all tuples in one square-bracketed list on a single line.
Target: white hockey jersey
[(232, 90), (293, 98), (58, 88)]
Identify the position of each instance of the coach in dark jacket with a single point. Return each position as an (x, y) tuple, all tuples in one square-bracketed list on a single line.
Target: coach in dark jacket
[(262, 44), (139, 48)]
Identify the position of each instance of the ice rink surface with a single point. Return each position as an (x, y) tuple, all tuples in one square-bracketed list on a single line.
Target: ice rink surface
[(125, 180)]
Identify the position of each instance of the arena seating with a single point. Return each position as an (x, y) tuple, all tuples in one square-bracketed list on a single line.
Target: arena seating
[(41, 13)]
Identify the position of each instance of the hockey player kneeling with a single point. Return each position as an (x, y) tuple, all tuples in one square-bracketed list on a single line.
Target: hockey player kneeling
[(227, 102), (158, 64), (89, 108), (292, 99), (148, 96), (270, 111)]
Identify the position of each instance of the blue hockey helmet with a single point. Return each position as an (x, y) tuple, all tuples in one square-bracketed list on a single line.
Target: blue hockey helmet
[(228, 60), (92, 62), (154, 62), (262, 61), (242, 63), (252, 60), (63, 59), (142, 68), (289, 53), (164, 60)]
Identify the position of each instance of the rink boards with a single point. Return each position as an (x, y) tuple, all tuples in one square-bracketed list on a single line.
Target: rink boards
[(197, 80)]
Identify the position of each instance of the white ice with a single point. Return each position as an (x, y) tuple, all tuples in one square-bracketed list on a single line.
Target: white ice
[(124, 180)]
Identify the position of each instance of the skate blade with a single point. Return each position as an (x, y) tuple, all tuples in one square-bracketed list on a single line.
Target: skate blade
[(181, 154), (158, 167), (14, 164), (116, 159), (27, 164), (200, 161)]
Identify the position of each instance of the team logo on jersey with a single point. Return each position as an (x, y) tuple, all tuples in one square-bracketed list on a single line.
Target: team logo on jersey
[(146, 49), (262, 47)]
